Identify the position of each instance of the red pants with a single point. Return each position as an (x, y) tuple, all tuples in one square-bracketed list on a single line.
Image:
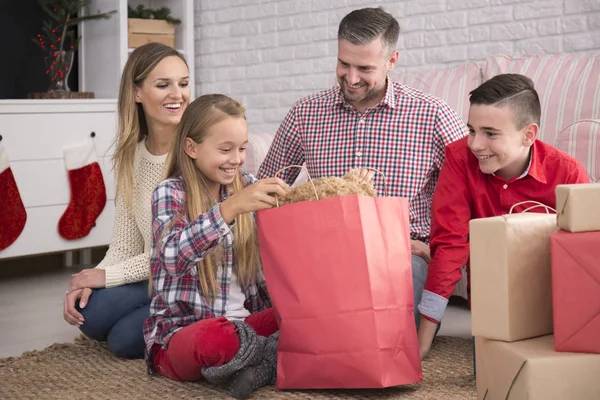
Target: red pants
[(207, 343)]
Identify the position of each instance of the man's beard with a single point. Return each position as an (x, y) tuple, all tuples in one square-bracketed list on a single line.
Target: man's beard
[(357, 98)]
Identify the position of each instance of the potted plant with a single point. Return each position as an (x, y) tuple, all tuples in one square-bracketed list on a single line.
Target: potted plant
[(150, 25), (58, 39)]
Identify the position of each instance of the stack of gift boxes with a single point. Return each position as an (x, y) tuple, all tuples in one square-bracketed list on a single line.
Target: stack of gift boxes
[(535, 297)]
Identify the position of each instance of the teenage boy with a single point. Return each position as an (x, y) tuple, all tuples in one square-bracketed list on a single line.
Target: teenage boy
[(498, 164)]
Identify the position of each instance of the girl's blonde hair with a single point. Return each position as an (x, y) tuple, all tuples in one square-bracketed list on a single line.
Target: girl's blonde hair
[(197, 119), (131, 118)]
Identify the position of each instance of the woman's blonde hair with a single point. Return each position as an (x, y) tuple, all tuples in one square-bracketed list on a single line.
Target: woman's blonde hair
[(132, 120), (197, 119)]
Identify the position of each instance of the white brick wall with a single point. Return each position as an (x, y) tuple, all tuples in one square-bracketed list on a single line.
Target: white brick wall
[(268, 54)]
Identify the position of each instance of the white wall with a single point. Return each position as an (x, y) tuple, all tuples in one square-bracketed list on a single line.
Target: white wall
[(268, 54)]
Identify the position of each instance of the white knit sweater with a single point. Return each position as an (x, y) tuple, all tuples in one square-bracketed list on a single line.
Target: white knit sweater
[(128, 256)]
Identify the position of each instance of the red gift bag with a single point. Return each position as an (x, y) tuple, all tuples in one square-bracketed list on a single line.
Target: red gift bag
[(339, 274)]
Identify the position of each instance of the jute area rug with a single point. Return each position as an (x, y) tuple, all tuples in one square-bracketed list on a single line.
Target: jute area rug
[(86, 369)]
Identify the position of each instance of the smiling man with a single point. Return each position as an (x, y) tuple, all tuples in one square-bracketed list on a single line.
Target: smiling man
[(369, 121), (499, 164)]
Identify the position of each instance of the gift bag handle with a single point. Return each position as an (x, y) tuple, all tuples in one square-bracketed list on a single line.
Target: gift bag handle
[(536, 204), (385, 185), (307, 174)]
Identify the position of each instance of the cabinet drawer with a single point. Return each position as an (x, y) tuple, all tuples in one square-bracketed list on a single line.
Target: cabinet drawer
[(40, 234), (44, 136), (46, 182)]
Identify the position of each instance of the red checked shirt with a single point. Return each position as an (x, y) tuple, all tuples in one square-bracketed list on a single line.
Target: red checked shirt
[(403, 136), (464, 192), (177, 299)]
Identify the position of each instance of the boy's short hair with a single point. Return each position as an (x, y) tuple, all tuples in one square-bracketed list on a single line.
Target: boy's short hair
[(514, 90)]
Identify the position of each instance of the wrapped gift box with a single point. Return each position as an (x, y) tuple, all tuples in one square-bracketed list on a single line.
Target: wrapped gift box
[(511, 289), (576, 291), (532, 370), (578, 207), (142, 31)]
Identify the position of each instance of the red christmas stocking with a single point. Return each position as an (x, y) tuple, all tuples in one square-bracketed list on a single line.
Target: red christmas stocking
[(88, 193), (12, 211)]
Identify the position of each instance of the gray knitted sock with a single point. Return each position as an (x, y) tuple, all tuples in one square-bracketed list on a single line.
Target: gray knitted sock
[(254, 377), (249, 353)]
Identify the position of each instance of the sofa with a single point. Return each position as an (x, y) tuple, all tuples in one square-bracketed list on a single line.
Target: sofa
[(569, 90)]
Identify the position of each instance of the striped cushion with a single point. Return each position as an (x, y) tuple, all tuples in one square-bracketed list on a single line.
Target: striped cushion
[(581, 140), (451, 84), (568, 86), (258, 146)]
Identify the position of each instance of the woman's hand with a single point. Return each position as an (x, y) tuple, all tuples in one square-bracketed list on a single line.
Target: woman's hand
[(258, 196), (70, 313), (88, 278)]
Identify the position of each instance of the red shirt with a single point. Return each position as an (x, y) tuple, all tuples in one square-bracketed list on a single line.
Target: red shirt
[(463, 193)]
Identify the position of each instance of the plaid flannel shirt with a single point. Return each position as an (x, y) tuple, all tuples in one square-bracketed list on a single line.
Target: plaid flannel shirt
[(177, 299), (404, 137)]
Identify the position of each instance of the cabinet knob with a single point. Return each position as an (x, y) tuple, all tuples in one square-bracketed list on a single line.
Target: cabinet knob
[(0, 138), (93, 134)]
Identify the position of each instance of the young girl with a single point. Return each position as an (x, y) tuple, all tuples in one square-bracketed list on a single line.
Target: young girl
[(210, 314), (111, 302)]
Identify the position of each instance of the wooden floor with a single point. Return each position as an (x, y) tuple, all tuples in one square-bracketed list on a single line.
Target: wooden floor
[(31, 306)]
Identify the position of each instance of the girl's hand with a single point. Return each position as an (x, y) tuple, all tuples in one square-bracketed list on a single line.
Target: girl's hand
[(258, 196), (88, 278)]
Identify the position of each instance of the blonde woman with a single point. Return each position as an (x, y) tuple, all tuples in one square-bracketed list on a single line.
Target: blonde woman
[(111, 302), (210, 314)]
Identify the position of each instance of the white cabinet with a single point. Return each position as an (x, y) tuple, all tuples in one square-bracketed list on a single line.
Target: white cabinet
[(34, 134), (104, 48)]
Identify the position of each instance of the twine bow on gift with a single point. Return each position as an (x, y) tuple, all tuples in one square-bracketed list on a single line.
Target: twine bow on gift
[(536, 204)]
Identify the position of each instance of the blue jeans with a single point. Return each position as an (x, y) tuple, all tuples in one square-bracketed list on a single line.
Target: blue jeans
[(419, 274), (117, 315)]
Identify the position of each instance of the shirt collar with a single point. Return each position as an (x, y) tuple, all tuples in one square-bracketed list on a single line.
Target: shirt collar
[(534, 168), (389, 99)]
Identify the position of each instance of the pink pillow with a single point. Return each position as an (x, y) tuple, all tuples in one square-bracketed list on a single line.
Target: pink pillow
[(581, 139), (451, 84), (258, 146)]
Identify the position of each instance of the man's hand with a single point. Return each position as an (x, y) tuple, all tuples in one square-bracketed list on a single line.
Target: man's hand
[(426, 333), (88, 278), (365, 175), (420, 249)]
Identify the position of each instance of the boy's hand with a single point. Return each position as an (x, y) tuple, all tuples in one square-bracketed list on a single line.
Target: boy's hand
[(426, 333), (255, 197)]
